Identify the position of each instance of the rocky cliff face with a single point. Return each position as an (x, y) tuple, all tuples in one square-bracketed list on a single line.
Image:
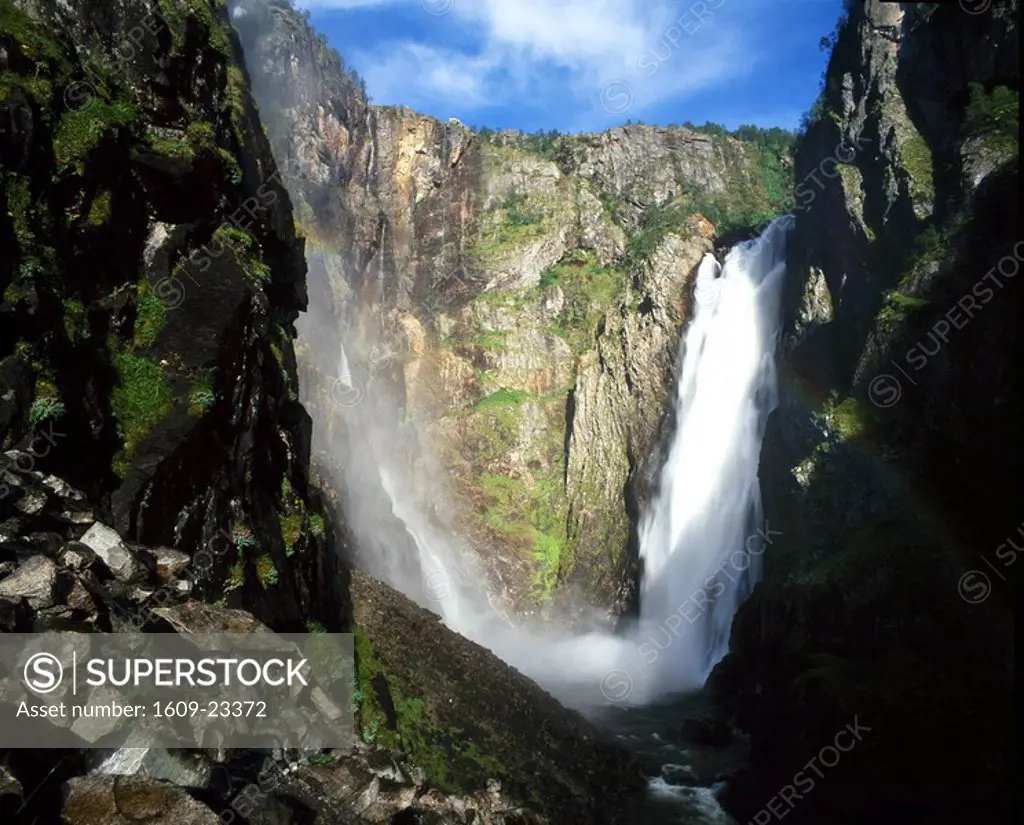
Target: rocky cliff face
[(884, 600), (151, 279), (155, 452), (524, 294)]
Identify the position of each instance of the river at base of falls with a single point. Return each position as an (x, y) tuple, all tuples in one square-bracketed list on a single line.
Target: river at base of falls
[(685, 779)]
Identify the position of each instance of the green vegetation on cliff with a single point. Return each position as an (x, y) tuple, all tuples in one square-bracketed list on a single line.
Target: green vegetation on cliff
[(590, 291), (141, 399), (386, 715), (528, 513), (994, 116)]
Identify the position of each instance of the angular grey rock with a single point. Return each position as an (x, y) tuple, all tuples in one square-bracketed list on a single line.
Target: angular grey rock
[(170, 563), (32, 503), (119, 800), (76, 556), (113, 552), (185, 769), (34, 580)]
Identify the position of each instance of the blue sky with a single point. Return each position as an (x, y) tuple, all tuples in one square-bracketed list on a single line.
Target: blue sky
[(585, 65)]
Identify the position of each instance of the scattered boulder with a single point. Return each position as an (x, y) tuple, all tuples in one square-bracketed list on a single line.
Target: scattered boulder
[(113, 552), (125, 800), (34, 580), (679, 775), (76, 556), (169, 563)]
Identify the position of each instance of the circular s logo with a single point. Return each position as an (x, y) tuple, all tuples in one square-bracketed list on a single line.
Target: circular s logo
[(884, 391), (974, 587), (617, 97), (616, 685), (43, 673)]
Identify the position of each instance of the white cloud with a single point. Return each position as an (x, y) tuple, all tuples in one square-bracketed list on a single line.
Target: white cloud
[(540, 52), (414, 74)]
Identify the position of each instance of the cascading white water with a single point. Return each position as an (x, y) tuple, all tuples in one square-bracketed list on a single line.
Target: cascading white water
[(698, 536), (699, 539), (344, 371)]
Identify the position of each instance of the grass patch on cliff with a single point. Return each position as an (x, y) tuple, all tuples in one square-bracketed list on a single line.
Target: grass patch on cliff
[(590, 291), (246, 250), (917, 161), (33, 38), (501, 399), (898, 307), (47, 404), (528, 515), (150, 315), (851, 419), (994, 116), (81, 130), (177, 13), (266, 572), (490, 340), (141, 399), (291, 530), (201, 396), (497, 426), (33, 229)]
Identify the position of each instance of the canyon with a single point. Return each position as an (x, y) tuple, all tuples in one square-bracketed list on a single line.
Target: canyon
[(317, 364)]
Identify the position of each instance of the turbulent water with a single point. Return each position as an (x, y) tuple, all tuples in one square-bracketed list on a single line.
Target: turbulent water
[(701, 537)]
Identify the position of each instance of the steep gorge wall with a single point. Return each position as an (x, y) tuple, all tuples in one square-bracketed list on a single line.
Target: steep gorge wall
[(151, 278), (897, 415), (524, 295)]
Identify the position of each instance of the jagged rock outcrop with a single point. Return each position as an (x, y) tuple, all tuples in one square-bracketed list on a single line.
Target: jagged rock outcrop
[(523, 294), (896, 415), (151, 279)]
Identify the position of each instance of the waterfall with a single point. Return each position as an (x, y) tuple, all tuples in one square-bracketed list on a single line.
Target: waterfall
[(699, 537), (703, 535)]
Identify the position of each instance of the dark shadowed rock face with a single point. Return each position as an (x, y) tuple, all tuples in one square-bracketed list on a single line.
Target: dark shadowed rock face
[(151, 288), (896, 417)]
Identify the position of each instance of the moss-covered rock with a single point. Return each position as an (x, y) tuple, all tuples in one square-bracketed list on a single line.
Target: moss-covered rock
[(467, 717)]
